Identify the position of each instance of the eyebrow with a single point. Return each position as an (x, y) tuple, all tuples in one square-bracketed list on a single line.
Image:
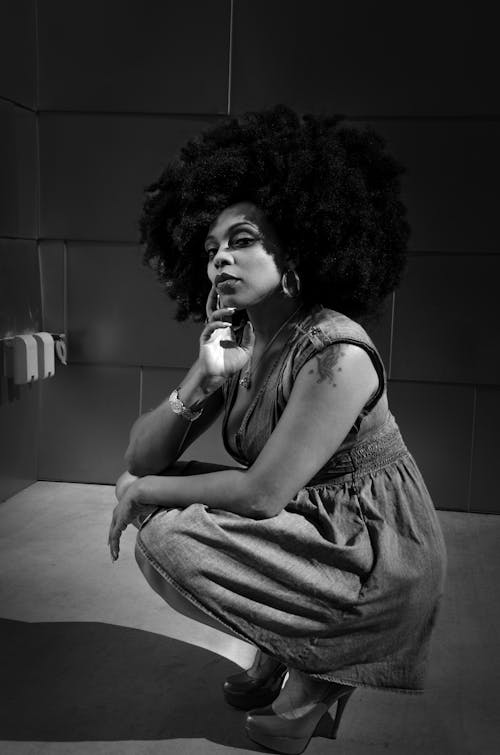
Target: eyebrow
[(232, 227)]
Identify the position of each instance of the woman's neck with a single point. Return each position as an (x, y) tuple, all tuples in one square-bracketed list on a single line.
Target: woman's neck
[(269, 315)]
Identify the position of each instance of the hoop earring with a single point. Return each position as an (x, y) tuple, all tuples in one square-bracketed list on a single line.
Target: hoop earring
[(284, 284)]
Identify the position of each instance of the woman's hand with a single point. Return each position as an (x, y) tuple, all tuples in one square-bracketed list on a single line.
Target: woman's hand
[(126, 512), (220, 355)]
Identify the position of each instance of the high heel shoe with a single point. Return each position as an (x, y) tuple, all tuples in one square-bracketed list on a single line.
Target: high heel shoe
[(292, 735), (244, 692)]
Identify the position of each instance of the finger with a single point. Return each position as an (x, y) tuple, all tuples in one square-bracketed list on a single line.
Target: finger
[(111, 528), (218, 314), (212, 327), (216, 324), (114, 544), (212, 302)]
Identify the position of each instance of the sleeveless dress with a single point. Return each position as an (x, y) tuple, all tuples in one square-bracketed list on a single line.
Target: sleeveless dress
[(345, 582)]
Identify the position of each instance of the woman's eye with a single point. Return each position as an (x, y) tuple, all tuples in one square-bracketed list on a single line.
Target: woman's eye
[(239, 242), (242, 241)]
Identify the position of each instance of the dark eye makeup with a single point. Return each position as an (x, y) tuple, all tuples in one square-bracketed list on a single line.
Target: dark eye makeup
[(239, 240)]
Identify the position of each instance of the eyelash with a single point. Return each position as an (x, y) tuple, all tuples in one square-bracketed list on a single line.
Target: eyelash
[(250, 239)]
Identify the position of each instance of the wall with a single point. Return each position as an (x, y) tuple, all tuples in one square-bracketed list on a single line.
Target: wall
[(121, 86), (20, 304)]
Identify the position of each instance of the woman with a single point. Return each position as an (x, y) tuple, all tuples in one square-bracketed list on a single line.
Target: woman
[(323, 548)]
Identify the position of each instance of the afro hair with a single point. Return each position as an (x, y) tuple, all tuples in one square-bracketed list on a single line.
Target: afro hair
[(332, 193)]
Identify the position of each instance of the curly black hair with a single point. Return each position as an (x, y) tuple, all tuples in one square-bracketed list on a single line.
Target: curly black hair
[(332, 193)]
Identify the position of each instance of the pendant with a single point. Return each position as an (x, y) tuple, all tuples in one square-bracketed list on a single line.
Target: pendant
[(245, 381)]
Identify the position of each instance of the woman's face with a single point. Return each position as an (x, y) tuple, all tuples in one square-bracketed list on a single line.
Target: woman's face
[(239, 243)]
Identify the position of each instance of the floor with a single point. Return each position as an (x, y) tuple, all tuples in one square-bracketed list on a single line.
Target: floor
[(95, 662)]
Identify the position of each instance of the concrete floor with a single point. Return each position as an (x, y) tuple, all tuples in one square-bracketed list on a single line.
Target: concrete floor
[(95, 662)]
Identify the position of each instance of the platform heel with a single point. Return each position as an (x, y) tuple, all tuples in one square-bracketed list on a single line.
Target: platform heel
[(292, 735)]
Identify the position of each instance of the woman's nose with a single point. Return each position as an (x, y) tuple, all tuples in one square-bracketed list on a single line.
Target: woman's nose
[(222, 254)]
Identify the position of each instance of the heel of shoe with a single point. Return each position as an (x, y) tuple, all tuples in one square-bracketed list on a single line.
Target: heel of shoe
[(328, 727)]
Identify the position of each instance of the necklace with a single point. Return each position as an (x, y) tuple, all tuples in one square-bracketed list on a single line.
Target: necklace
[(246, 379)]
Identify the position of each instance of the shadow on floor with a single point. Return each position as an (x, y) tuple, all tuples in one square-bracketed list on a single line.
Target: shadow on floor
[(72, 681)]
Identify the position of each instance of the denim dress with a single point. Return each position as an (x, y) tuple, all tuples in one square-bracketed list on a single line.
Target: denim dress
[(345, 583)]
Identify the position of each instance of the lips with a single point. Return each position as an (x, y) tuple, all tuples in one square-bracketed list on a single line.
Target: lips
[(224, 277)]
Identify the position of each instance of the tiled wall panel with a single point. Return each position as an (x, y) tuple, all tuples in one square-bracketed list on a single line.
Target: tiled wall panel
[(20, 306), (157, 386), (52, 282), (94, 169), (86, 415), (436, 424), (18, 435), (485, 494), (446, 320), (18, 51), (18, 173), (131, 320), (428, 87), (451, 186), (379, 331), (141, 56), (387, 58)]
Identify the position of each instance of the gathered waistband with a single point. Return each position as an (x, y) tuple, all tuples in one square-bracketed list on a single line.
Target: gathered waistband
[(377, 450)]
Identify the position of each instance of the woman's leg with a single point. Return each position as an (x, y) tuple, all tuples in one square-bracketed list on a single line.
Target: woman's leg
[(174, 598), (262, 664)]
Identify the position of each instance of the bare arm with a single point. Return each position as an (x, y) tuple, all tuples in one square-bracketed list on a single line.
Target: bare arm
[(158, 437), (226, 489)]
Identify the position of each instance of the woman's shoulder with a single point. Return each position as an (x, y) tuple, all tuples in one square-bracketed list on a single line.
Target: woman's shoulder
[(322, 326)]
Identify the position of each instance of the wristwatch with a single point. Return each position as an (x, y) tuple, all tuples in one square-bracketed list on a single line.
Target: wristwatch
[(178, 407)]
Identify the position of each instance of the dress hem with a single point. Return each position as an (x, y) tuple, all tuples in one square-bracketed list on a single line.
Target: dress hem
[(324, 677)]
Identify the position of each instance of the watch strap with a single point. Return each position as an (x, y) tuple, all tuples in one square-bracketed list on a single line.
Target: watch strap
[(179, 408)]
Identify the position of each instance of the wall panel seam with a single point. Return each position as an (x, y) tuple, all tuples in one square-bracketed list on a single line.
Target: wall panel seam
[(19, 238), (455, 253), (471, 455), (10, 101), (40, 278), (141, 383), (65, 287), (425, 117), (230, 55), (38, 187), (488, 386), (37, 58), (135, 113)]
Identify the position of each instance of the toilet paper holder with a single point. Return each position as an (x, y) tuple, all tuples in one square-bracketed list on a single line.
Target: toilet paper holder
[(60, 345), (30, 356)]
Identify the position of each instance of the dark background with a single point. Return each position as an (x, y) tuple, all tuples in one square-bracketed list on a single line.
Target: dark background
[(95, 97)]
